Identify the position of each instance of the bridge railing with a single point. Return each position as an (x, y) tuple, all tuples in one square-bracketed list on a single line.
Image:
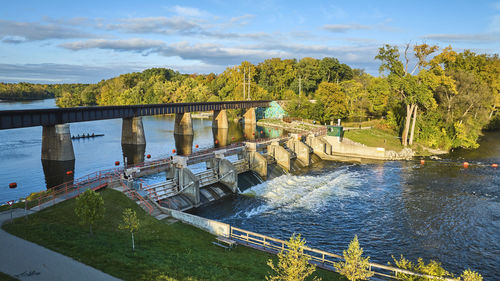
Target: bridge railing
[(321, 258), (70, 189)]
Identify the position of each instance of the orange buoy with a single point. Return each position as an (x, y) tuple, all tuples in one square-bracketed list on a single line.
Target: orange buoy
[(173, 150), (216, 141), (422, 162), (69, 173), (466, 164), (232, 138), (196, 146), (253, 134), (117, 163), (261, 132), (148, 156), (494, 165), (13, 185)]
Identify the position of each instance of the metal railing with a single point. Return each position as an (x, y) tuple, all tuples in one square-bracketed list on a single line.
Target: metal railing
[(71, 189), (132, 193), (321, 258)]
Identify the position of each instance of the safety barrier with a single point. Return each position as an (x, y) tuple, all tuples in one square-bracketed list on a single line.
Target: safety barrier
[(131, 193), (71, 189), (321, 258)]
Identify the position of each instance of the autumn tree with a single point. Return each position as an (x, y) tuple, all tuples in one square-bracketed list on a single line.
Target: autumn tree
[(130, 222), (293, 264), (334, 100), (89, 208), (354, 266), (469, 275)]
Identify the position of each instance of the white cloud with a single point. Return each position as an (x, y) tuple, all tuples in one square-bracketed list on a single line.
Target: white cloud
[(491, 37), (341, 28), (188, 11), (18, 32), (134, 44)]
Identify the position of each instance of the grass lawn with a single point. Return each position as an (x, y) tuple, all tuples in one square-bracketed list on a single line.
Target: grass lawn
[(375, 137), (178, 251)]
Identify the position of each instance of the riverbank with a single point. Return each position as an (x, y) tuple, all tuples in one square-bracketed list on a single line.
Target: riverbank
[(176, 250)]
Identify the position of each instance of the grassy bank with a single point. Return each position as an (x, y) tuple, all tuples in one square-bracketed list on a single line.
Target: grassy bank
[(375, 137), (6, 277), (178, 251)]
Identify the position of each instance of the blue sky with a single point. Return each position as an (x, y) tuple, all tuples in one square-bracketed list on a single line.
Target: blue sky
[(86, 41)]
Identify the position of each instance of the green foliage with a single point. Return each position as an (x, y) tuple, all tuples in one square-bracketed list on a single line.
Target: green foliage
[(292, 265), (24, 91), (165, 251), (433, 268), (89, 207), (469, 275), (354, 266)]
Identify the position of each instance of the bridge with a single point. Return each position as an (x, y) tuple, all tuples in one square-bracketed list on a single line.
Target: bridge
[(57, 147)]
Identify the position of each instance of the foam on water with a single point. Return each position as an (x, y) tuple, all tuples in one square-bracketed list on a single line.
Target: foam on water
[(305, 192)]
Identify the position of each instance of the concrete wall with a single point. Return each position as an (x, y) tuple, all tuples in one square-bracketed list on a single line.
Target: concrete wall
[(228, 175), (57, 144), (258, 163), (301, 149), (183, 124), (214, 227), (353, 149), (189, 184), (319, 145), (281, 155), (133, 131)]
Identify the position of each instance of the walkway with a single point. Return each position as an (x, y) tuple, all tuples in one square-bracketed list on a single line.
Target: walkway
[(28, 261)]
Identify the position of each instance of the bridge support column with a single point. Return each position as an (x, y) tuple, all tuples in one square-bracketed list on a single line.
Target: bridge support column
[(183, 124), (220, 137), (249, 116), (257, 162), (133, 131), (219, 120), (56, 143), (184, 144)]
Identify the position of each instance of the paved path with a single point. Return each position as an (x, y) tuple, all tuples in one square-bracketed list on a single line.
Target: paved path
[(28, 261)]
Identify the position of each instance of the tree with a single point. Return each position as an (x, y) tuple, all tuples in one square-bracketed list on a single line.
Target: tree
[(89, 207), (469, 275), (130, 223), (292, 265), (334, 100), (355, 267), (433, 268)]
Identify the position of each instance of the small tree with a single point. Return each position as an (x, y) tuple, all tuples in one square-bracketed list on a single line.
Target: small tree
[(130, 222), (355, 267), (89, 207), (292, 265), (469, 275)]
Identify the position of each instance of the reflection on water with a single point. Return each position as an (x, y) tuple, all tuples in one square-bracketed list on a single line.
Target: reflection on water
[(220, 137), (184, 144), (58, 172), (133, 153)]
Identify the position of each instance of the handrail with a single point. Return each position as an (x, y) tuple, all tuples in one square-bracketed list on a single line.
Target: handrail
[(320, 257), (136, 195)]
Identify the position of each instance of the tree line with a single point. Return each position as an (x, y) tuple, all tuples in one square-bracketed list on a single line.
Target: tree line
[(29, 91), (438, 98)]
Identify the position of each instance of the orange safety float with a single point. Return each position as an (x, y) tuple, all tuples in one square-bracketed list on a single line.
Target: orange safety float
[(174, 151), (117, 163), (13, 185), (494, 165), (69, 173), (148, 156), (466, 164), (196, 146), (216, 141), (422, 162)]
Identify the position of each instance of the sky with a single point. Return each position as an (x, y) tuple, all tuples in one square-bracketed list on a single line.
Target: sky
[(87, 41)]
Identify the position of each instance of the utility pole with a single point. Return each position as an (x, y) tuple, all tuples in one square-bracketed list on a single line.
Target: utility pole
[(249, 83), (244, 81), (300, 86)]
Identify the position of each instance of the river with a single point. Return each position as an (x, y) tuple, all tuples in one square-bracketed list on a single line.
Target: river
[(438, 210)]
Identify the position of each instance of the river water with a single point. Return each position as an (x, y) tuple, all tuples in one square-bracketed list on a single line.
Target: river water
[(439, 210)]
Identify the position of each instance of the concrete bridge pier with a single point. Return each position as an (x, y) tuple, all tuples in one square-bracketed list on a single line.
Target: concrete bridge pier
[(250, 131), (133, 131), (56, 143), (219, 120), (249, 116), (183, 124)]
